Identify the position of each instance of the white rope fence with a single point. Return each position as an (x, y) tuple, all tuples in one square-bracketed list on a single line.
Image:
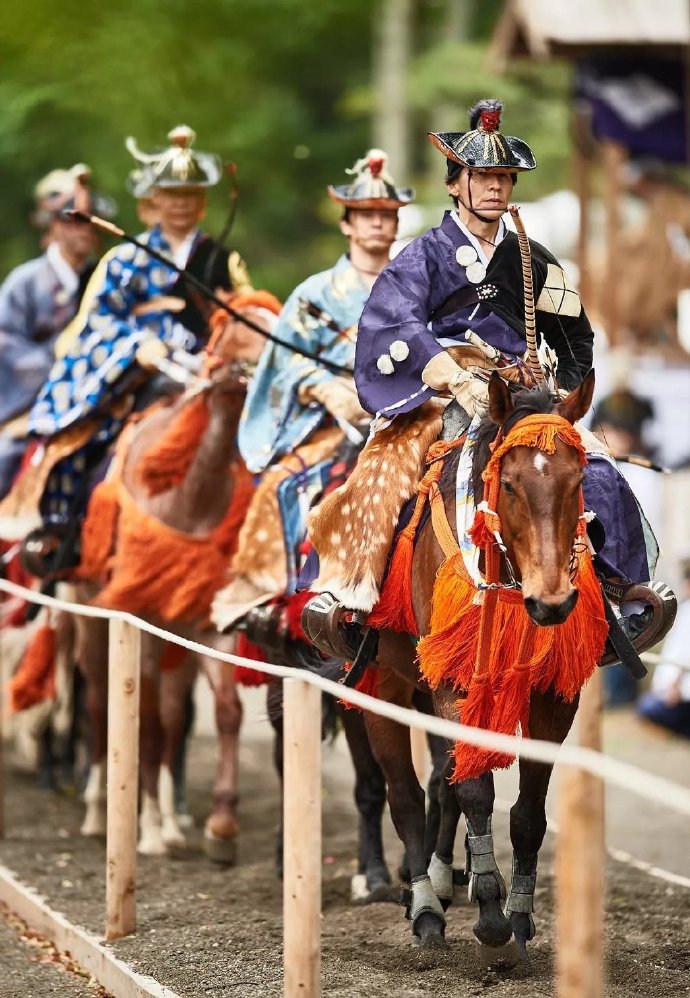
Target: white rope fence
[(621, 774), (579, 887)]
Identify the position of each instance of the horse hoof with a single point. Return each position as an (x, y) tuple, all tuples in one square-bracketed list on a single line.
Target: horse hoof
[(152, 845), (221, 851), (363, 891), (174, 840), (93, 827), (185, 819), (499, 957), (429, 932)]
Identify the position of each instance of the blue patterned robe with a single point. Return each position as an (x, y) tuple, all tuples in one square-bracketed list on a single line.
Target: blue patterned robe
[(274, 420), (110, 335)]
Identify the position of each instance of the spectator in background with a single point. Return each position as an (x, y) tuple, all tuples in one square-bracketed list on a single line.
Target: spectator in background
[(668, 702), (38, 299), (619, 421)]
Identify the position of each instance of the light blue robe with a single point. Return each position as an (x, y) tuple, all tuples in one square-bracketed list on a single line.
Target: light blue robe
[(274, 420)]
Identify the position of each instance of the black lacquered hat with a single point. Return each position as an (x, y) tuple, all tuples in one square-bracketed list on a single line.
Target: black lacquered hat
[(372, 186), (484, 147)]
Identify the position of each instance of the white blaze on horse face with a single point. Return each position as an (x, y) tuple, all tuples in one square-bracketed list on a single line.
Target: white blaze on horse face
[(540, 462)]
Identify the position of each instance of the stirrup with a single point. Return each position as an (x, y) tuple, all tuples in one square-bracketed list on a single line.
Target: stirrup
[(266, 626), (329, 625), (49, 552), (662, 602)]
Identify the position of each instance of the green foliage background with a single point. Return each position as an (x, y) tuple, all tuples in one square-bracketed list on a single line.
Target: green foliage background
[(282, 87)]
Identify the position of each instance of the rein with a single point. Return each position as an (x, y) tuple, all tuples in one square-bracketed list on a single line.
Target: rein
[(481, 640)]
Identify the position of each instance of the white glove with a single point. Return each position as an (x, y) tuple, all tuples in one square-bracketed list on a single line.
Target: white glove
[(470, 392), (150, 352), (339, 397)]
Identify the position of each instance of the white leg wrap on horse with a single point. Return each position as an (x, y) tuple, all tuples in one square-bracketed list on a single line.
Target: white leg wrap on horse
[(151, 839), (441, 876), (521, 896), (95, 818), (424, 900), (482, 860), (171, 831)]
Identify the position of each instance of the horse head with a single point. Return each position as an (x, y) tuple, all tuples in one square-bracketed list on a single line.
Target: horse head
[(537, 465), (234, 347)]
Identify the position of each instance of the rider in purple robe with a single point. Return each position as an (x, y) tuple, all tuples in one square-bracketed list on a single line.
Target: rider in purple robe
[(462, 281)]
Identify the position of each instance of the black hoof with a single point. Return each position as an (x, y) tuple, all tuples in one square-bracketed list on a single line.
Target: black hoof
[(523, 931), (429, 932), (504, 957), (369, 889), (492, 928)]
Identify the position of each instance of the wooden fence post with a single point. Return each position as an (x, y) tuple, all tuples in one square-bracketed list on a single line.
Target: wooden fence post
[(124, 665), (2, 738), (302, 839), (580, 865)]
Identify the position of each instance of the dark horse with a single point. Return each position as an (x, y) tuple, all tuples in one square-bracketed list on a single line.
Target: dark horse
[(539, 512)]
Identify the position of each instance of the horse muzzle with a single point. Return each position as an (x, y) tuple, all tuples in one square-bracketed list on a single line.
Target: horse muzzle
[(546, 613)]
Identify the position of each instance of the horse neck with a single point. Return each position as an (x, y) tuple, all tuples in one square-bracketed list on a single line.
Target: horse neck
[(200, 502)]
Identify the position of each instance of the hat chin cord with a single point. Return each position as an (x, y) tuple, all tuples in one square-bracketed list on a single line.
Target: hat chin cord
[(468, 207)]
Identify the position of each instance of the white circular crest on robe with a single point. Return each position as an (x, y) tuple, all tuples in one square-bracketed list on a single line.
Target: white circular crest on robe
[(399, 350), (385, 364), (476, 272), (465, 255)]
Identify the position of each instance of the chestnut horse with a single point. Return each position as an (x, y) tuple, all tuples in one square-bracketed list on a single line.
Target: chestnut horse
[(193, 508), (538, 505)]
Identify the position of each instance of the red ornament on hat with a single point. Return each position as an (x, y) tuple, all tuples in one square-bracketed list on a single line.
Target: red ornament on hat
[(489, 121), (376, 164)]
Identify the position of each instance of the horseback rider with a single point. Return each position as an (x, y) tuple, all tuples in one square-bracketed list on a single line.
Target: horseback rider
[(448, 308), (39, 298), (135, 311), (299, 410)]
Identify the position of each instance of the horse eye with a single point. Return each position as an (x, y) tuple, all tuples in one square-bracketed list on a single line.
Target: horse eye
[(508, 488)]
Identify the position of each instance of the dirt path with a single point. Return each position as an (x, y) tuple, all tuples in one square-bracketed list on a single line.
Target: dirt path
[(204, 931), (30, 967)]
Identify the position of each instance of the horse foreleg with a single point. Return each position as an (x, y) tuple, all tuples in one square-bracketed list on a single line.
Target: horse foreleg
[(390, 743), (151, 842), (274, 708), (550, 719), (92, 659), (175, 688), (372, 882), (222, 828)]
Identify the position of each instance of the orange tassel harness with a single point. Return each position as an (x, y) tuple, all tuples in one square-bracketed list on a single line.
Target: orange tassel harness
[(483, 641), (165, 465), (162, 571), (34, 680)]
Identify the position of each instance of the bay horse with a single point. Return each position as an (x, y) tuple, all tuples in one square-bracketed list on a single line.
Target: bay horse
[(539, 509), (192, 507)]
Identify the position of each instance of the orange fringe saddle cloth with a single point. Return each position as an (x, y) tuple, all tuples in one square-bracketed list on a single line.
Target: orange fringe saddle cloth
[(482, 641)]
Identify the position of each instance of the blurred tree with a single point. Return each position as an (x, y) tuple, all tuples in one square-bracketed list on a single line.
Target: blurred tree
[(282, 87)]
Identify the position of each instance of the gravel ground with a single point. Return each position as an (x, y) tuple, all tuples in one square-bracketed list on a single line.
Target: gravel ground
[(30, 967), (206, 931)]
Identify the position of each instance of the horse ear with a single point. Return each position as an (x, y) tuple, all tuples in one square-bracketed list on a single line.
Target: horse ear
[(500, 401), (575, 405)]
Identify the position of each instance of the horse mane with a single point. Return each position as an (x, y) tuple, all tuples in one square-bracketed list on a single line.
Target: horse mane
[(526, 402)]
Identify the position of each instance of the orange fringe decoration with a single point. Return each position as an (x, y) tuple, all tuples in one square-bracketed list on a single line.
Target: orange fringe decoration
[(98, 532), (34, 680), (369, 684), (244, 674), (166, 464), (240, 299), (394, 610), (483, 641), (159, 570)]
